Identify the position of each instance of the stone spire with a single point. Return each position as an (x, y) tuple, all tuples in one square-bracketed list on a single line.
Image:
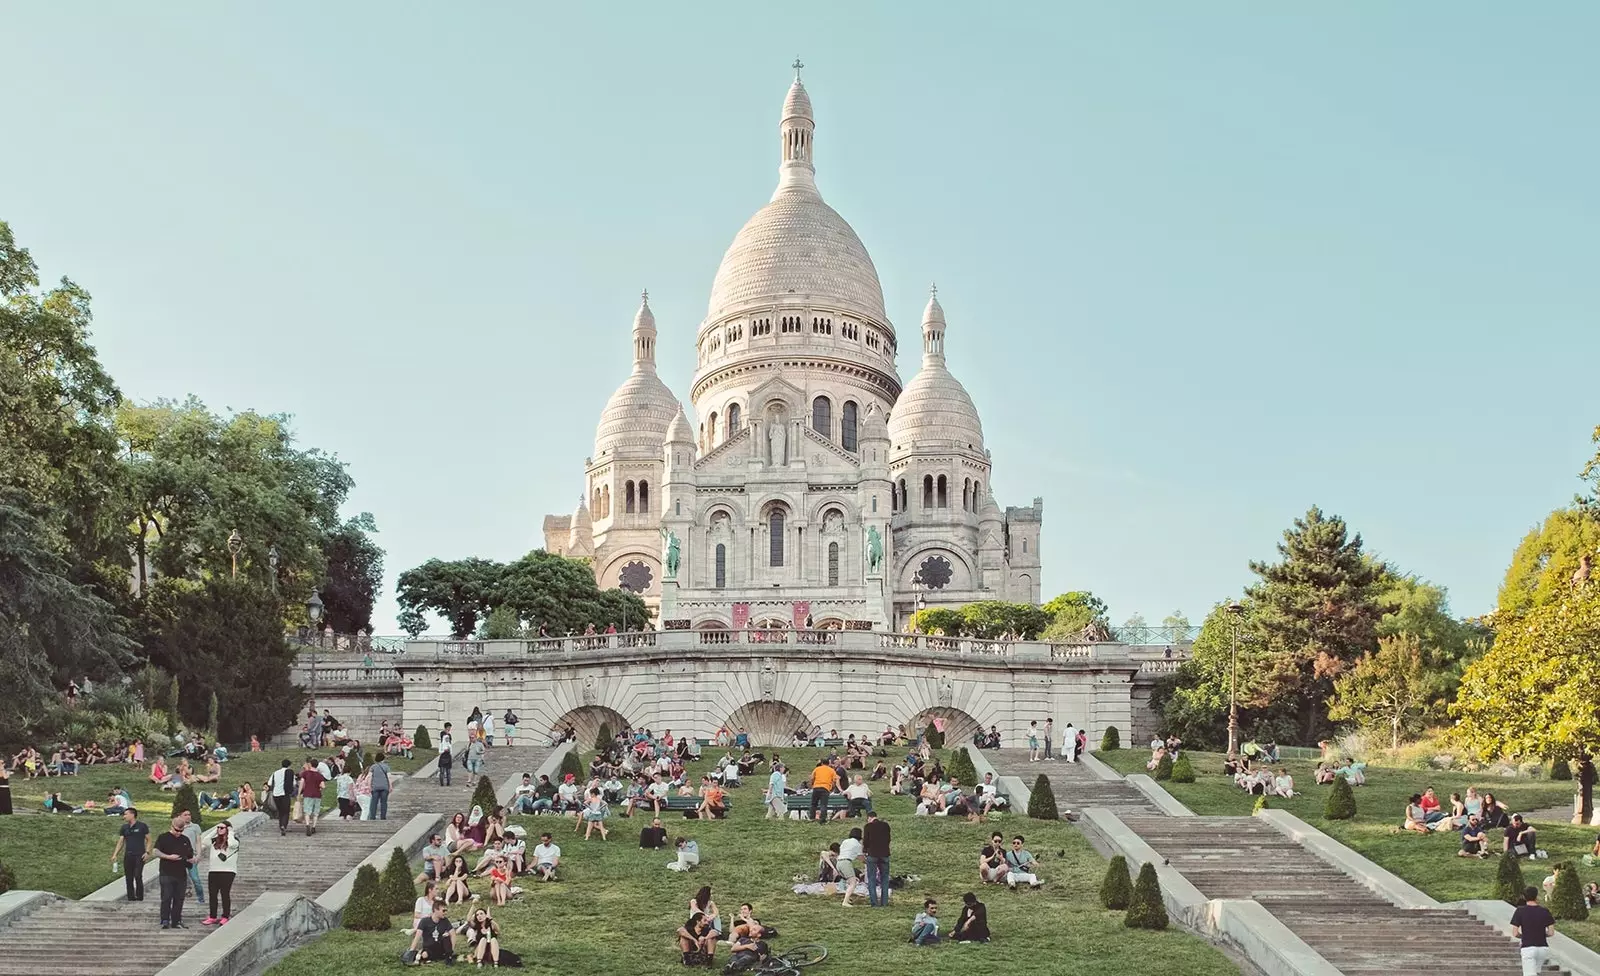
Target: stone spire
[(796, 175), (933, 330), (644, 337)]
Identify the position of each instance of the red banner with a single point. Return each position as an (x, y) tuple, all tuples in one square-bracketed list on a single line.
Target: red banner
[(802, 610), (741, 616)]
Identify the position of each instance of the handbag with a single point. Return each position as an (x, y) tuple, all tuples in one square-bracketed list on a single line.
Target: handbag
[(294, 809)]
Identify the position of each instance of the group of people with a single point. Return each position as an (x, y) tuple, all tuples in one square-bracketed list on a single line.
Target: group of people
[(180, 850), (1166, 748), (1073, 742), (359, 792), (501, 852), (475, 939), (1473, 816)]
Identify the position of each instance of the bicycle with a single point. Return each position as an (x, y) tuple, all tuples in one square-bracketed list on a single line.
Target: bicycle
[(791, 961)]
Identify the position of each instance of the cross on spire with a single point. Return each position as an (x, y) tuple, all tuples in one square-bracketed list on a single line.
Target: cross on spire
[(645, 296), (798, 64), (934, 288)]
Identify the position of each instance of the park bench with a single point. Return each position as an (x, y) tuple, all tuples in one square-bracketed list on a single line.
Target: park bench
[(801, 803), (688, 804)]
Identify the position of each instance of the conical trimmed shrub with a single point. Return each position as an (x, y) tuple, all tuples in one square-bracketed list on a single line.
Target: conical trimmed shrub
[(1261, 804), (186, 799), (1182, 769), (1560, 769), (934, 737), (571, 764), (961, 768), (1042, 804), (1146, 910), (8, 880), (484, 796), (365, 911), (1341, 803), (421, 739), (602, 738), (1111, 740), (1164, 767), (1116, 891), (1508, 883), (1566, 898), (399, 894)]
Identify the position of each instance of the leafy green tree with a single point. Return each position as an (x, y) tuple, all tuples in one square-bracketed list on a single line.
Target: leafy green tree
[(1508, 883), (399, 891), (366, 911), (1261, 804), (354, 576), (1317, 613), (1193, 702), (1341, 803), (1566, 897), (1070, 613), (1042, 802), (1560, 769), (501, 624), (943, 621), (560, 593), (1182, 769), (1116, 890), (224, 636), (933, 737), (992, 619), (1146, 909), (1177, 622), (1390, 689), (461, 590), (1110, 740), (1135, 622), (1542, 567)]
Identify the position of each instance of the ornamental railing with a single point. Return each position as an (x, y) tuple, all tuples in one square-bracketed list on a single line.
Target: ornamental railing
[(305, 638)]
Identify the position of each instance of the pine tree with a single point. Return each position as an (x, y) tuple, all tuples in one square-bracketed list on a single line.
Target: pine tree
[(399, 893), (934, 736), (1341, 803), (186, 799), (8, 880), (1182, 769), (1164, 767), (484, 796), (366, 910), (1042, 804), (422, 740), (962, 769), (1508, 883), (1146, 910), (602, 739), (1566, 898), (1116, 891), (1111, 740), (571, 766), (1560, 769)]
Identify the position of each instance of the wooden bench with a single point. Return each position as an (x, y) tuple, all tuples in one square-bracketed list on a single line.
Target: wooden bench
[(801, 803), (687, 804)]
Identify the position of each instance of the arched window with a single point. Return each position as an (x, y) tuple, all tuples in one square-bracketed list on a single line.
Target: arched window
[(733, 419), (775, 532), (833, 564), (847, 425), (605, 501), (628, 504), (711, 429), (977, 495), (722, 565), (644, 496), (905, 499), (1024, 545), (966, 494), (822, 416), (944, 498), (594, 505), (927, 491)]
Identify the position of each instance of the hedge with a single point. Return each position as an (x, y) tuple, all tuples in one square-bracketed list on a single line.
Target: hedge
[(399, 893), (1111, 741), (1508, 883), (421, 739), (1182, 769)]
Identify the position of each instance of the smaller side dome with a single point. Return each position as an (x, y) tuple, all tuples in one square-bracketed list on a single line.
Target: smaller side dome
[(934, 409), (679, 431), (797, 104)]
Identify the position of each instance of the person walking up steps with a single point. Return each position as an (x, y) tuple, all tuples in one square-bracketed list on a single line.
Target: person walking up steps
[(1069, 743), (378, 809), (1049, 737), (446, 759), (311, 780), (1533, 924), (281, 787), (135, 833)]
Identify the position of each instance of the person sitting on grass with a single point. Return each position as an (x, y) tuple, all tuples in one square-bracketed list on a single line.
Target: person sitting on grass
[(219, 801), (697, 941), (1592, 858), (158, 772), (653, 837), (745, 923), (828, 865), (992, 867), (988, 795), (1353, 772), (713, 801), (702, 903), (1494, 814), (972, 925), (422, 908), (925, 927), (1416, 819), (454, 881), (434, 940), (1474, 842), (482, 934), (1023, 867), (500, 880), (688, 855), (247, 799), (746, 952), (1325, 774), (1521, 838), (546, 858), (1431, 807), (213, 773)]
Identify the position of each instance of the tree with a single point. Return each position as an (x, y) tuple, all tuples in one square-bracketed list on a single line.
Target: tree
[(1566, 897), (1543, 564), (933, 736), (1071, 613), (1135, 622), (559, 592), (1116, 890), (1146, 909), (570, 765), (1042, 802), (501, 624), (1316, 611), (1389, 689), (1193, 702), (366, 910), (1163, 770), (483, 796), (1341, 804), (399, 892), (961, 768), (224, 636), (1508, 883), (1178, 623), (354, 576), (1110, 740), (602, 738), (186, 799), (460, 590), (421, 741), (943, 621), (1182, 769)]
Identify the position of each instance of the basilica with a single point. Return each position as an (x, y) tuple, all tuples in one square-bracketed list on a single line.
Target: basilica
[(811, 489)]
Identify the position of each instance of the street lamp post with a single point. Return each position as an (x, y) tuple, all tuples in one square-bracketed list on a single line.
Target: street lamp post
[(314, 614), (1236, 611), (235, 546), (272, 567)]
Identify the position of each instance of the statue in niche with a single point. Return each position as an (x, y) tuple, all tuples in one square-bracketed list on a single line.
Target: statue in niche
[(874, 550), (669, 546), (589, 696), (947, 691), (833, 522), (769, 682), (777, 444)]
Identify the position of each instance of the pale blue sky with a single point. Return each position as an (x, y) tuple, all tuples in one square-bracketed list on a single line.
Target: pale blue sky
[(1203, 265)]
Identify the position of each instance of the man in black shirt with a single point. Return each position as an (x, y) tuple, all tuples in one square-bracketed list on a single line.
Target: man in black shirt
[(1533, 924), (875, 847), (176, 854), (653, 837), (435, 939), (135, 833), (1521, 838)]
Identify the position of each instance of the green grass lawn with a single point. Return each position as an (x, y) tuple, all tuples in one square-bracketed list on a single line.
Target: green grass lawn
[(1427, 861), (617, 909), (71, 855)]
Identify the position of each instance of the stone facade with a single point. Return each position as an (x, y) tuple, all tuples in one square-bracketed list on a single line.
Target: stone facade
[(811, 485)]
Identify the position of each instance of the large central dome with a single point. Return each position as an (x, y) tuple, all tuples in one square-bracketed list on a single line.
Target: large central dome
[(796, 249)]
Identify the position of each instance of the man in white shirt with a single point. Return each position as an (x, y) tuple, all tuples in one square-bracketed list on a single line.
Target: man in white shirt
[(546, 858), (567, 794), (849, 856), (777, 790), (488, 730), (989, 794), (522, 800), (281, 788), (860, 796), (1069, 743)]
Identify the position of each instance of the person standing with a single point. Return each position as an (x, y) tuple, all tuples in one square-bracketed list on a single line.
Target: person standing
[(446, 758), (281, 787), (191, 830), (1533, 924), (224, 866), (875, 847), (822, 779), (1033, 741), (1049, 735), (176, 855), (1069, 743), (508, 722), (131, 840), (378, 808), (488, 730), (311, 780)]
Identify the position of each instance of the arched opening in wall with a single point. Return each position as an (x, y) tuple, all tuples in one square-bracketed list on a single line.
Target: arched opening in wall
[(586, 721), (710, 625), (733, 419), (769, 723), (944, 496), (629, 505), (594, 503), (828, 623), (822, 417), (847, 425), (711, 429), (905, 500), (977, 493), (927, 491), (966, 494), (605, 501), (959, 726), (644, 496)]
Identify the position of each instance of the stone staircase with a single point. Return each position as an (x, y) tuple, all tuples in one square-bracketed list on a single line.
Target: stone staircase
[(1348, 925), (1075, 787)]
